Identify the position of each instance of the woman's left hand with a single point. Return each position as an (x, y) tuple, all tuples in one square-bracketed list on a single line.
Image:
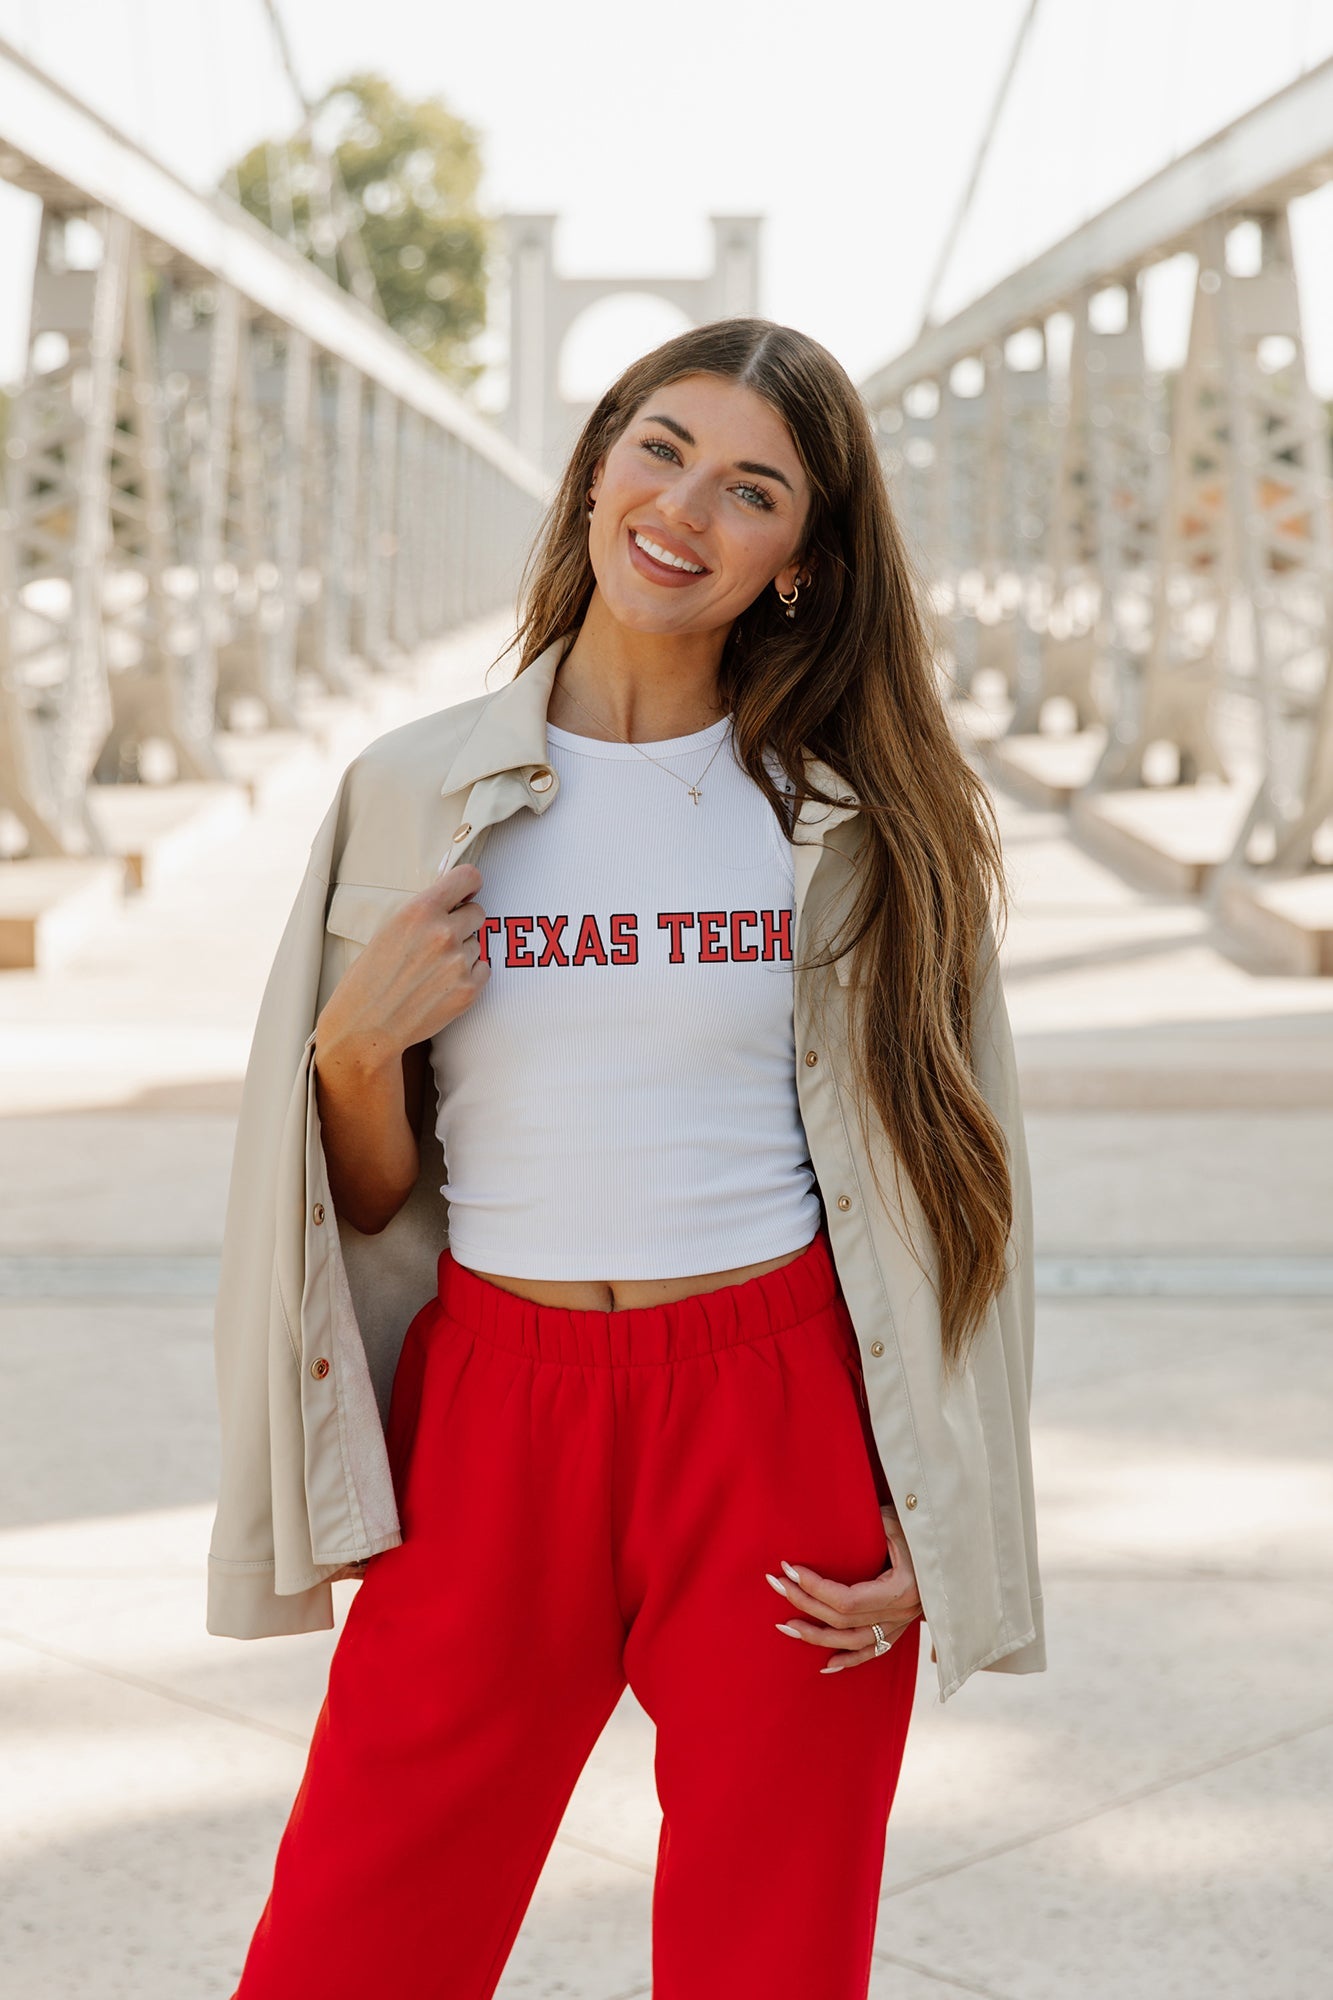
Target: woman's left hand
[(846, 1611)]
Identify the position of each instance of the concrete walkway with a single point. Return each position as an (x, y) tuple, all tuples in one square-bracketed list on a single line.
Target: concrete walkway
[(1149, 1818)]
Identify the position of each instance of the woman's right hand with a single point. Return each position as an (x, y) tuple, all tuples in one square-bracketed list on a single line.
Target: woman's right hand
[(418, 973)]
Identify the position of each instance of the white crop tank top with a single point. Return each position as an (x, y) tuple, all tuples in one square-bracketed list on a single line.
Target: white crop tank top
[(620, 1100)]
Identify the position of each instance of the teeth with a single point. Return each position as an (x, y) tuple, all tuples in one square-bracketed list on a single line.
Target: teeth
[(660, 555)]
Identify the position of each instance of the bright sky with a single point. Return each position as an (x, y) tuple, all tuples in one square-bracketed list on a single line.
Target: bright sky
[(849, 126)]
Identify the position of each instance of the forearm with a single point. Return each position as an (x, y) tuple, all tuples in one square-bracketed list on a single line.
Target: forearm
[(370, 1147)]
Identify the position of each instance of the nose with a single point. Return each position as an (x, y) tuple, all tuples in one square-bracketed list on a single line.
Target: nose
[(685, 500)]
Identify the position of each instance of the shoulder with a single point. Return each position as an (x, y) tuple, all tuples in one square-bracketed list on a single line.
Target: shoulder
[(418, 751), (385, 811)]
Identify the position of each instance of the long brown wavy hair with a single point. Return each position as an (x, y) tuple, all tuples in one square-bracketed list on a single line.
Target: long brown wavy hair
[(852, 680)]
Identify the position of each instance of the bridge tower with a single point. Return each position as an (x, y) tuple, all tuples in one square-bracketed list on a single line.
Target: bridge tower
[(543, 306)]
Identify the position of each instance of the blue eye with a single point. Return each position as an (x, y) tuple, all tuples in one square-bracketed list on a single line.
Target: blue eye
[(761, 498)]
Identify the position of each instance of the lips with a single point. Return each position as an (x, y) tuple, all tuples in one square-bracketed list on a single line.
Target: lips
[(665, 543), (664, 575)]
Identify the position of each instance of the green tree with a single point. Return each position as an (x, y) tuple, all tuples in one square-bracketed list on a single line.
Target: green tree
[(410, 169)]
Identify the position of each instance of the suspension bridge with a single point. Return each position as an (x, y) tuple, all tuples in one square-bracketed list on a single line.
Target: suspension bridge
[(1159, 565), (245, 528), (229, 486)]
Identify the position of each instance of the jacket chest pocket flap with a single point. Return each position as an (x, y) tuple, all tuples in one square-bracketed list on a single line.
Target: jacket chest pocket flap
[(355, 912)]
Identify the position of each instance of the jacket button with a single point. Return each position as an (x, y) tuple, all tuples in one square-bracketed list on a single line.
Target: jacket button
[(909, 1499), (877, 1347), (463, 831), (811, 1058), (317, 1211), (844, 1202), (319, 1369), (542, 779)]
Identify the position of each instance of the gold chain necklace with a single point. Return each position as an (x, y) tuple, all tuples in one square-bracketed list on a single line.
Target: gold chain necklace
[(693, 789)]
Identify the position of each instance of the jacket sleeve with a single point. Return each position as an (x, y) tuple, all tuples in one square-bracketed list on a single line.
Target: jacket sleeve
[(996, 1068), (241, 1598)]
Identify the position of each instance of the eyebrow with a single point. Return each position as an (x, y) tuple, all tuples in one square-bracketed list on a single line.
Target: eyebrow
[(742, 464)]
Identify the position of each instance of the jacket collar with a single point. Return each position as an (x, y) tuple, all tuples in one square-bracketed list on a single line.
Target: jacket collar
[(510, 735), (510, 732)]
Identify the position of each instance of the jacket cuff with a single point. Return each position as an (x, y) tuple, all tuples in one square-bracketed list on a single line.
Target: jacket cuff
[(242, 1604), (1029, 1659)]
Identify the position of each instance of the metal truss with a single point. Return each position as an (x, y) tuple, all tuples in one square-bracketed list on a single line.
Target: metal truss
[(226, 484), (1169, 571), (1281, 543), (1019, 474), (956, 521), (1117, 438)]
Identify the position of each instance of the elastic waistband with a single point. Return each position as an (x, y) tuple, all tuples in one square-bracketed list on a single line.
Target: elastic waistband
[(636, 1334)]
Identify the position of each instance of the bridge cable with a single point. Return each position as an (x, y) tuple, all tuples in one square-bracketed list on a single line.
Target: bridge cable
[(983, 150), (337, 202)]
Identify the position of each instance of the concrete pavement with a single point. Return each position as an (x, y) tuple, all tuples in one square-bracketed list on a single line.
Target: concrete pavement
[(1148, 1818)]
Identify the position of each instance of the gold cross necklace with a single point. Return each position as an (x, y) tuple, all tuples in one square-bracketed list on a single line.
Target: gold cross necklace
[(693, 789)]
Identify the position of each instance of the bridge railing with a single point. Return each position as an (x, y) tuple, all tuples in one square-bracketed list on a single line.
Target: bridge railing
[(224, 479), (1159, 554)]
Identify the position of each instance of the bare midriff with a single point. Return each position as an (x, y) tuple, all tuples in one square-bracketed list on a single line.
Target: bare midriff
[(618, 1294)]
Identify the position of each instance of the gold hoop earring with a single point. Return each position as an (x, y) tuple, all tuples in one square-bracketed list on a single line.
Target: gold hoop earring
[(591, 503), (790, 602)]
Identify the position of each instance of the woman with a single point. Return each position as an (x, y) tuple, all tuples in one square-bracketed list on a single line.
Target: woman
[(691, 1341)]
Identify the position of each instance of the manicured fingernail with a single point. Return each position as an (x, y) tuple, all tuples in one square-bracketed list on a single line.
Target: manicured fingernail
[(791, 1572), (777, 1584), (791, 1631), (833, 1667)]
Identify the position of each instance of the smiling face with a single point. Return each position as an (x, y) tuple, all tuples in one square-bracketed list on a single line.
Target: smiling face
[(700, 504)]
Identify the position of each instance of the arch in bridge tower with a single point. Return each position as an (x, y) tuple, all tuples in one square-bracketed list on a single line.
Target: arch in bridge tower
[(544, 305), (623, 325)]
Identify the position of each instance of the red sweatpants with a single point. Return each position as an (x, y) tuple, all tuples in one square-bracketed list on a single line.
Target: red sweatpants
[(590, 1498)]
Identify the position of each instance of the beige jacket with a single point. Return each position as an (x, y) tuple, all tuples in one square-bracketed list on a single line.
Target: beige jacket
[(311, 1314)]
